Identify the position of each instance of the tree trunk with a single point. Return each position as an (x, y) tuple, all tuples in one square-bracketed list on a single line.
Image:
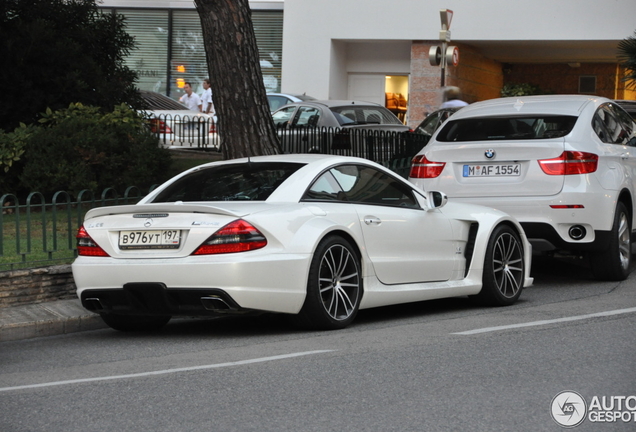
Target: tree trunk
[(244, 121)]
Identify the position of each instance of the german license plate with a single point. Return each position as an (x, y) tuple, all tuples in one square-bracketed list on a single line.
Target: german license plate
[(492, 170), (152, 239)]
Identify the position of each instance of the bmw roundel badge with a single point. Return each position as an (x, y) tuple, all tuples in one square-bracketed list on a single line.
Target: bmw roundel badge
[(490, 153)]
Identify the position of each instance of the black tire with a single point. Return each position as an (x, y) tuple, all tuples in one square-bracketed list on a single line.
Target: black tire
[(131, 323), (504, 268), (334, 286), (613, 263)]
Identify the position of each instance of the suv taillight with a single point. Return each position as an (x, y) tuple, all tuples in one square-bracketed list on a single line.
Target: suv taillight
[(86, 246), (570, 163), (424, 168), (237, 236)]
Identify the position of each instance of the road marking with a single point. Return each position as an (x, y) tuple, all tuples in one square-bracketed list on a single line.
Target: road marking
[(166, 371), (545, 322)]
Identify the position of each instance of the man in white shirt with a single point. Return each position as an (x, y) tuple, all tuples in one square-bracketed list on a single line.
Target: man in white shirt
[(206, 98), (190, 99)]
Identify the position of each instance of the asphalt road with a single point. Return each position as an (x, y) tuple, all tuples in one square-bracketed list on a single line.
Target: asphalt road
[(432, 366)]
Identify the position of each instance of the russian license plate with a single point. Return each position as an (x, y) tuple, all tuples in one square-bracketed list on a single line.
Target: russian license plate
[(492, 170), (154, 239)]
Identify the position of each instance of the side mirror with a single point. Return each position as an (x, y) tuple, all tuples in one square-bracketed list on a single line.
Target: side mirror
[(436, 199)]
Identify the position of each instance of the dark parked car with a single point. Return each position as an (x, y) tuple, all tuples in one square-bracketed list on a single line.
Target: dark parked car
[(433, 121), (629, 106)]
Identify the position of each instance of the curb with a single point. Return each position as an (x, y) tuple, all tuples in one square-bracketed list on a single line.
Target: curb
[(46, 319)]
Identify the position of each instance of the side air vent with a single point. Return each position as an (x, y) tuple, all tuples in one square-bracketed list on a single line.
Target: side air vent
[(470, 245)]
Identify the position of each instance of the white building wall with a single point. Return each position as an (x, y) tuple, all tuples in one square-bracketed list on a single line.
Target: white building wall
[(318, 34)]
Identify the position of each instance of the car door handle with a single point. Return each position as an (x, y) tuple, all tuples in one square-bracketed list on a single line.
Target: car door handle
[(372, 220), (625, 156)]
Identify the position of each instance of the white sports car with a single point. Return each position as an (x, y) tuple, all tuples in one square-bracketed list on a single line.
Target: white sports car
[(314, 236)]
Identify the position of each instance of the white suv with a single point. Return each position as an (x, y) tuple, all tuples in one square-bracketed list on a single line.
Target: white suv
[(564, 166)]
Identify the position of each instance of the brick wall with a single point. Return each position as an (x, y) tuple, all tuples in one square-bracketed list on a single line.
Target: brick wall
[(560, 78), (479, 78), (19, 287)]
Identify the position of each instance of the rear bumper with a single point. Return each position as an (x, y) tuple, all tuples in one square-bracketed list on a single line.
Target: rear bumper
[(272, 283), (155, 299), (548, 228), (544, 237)]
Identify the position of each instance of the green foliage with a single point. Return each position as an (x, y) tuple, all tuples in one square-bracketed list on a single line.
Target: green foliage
[(12, 145), (55, 52), (79, 148), (627, 59), (524, 89), (12, 148)]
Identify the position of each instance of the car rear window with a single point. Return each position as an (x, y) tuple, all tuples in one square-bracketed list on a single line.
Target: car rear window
[(235, 182), (358, 114), (506, 128), (157, 101)]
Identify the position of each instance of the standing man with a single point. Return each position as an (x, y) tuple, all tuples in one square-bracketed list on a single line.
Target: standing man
[(206, 98), (190, 99), (453, 98)]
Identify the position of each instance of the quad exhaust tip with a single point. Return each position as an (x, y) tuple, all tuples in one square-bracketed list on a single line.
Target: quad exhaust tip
[(93, 304), (577, 232), (217, 304)]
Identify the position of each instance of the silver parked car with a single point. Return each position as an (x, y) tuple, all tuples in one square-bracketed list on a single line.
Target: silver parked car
[(358, 128), (338, 114), (277, 100)]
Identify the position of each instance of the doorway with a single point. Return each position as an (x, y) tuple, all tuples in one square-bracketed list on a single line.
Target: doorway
[(396, 89), (390, 91)]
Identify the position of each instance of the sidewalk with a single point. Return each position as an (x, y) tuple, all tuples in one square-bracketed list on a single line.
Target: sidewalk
[(46, 319)]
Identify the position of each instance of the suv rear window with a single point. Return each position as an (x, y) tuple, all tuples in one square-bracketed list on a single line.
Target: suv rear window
[(506, 128)]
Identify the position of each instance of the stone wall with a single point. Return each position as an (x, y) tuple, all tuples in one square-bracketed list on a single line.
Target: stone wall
[(36, 285)]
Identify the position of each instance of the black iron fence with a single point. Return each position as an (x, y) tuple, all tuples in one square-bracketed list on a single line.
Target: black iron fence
[(39, 233), (377, 145), (384, 147)]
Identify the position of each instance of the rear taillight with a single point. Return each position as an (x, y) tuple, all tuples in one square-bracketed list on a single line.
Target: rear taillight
[(424, 168), (159, 127), (570, 163), (212, 127), (86, 246), (237, 236)]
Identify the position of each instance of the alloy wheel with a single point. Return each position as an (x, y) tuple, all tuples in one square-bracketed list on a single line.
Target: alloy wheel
[(339, 282), (624, 243), (508, 265)]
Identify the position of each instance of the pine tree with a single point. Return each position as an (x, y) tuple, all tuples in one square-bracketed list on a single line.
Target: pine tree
[(245, 123)]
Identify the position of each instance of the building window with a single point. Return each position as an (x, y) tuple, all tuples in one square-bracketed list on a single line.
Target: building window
[(169, 48), (150, 28), (587, 84)]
